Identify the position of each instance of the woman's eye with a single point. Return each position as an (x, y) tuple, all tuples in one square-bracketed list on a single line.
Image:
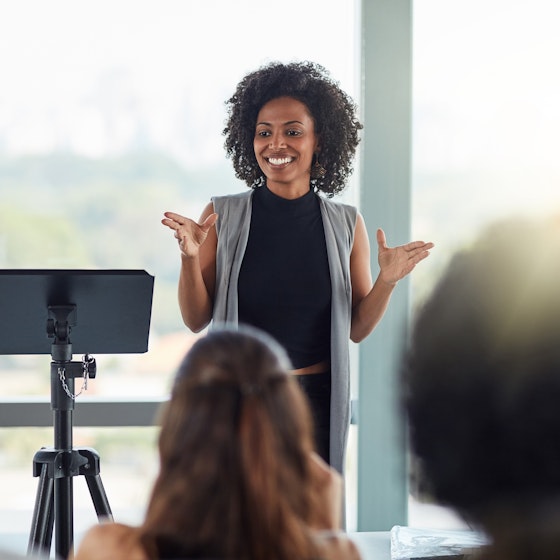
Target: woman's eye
[(263, 133), (294, 132)]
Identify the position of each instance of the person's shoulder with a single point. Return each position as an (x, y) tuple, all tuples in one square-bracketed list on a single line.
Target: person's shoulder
[(338, 206), (340, 213), (238, 202), (233, 197), (335, 545), (110, 540)]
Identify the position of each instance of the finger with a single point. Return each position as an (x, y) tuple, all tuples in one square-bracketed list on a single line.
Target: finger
[(172, 224), (421, 256), (418, 245), (381, 239), (175, 217), (416, 258), (209, 221)]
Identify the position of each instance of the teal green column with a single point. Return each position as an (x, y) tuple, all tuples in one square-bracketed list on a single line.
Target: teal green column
[(385, 203)]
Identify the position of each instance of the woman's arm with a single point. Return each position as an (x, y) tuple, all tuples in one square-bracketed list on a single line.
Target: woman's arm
[(370, 300), (198, 243)]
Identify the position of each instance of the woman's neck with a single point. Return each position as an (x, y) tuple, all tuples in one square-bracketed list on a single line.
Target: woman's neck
[(290, 191)]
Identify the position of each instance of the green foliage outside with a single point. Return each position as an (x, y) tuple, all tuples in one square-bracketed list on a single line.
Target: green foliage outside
[(66, 211)]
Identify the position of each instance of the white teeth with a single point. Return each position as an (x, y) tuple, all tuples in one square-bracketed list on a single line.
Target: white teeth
[(280, 161)]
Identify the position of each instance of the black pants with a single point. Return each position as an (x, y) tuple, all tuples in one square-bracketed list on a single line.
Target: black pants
[(317, 387)]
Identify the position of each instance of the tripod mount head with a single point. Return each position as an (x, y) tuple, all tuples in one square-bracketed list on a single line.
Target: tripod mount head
[(60, 321)]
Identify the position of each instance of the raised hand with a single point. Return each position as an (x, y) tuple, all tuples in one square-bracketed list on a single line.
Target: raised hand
[(396, 262), (190, 234)]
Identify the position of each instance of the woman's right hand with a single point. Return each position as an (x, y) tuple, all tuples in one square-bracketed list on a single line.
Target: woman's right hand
[(190, 234), (198, 243)]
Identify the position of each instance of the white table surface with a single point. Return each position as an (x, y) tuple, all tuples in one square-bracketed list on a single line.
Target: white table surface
[(375, 545), (416, 543)]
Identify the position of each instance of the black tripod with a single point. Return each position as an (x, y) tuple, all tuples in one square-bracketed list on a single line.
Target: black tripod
[(57, 466), (115, 309)]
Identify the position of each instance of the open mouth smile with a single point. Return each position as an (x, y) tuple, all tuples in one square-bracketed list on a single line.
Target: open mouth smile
[(279, 161)]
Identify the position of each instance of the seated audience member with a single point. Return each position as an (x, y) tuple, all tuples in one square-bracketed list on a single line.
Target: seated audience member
[(482, 388), (238, 477)]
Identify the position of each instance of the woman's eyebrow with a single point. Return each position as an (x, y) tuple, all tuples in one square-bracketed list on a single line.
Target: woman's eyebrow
[(286, 123)]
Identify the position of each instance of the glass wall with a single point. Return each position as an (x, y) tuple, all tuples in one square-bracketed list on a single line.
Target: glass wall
[(110, 114), (486, 121), (486, 118)]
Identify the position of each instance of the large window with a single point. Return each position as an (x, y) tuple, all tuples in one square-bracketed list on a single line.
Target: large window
[(110, 114), (486, 118), (486, 121)]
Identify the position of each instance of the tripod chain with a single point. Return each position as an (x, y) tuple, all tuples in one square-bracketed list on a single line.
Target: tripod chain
[(86, 361)]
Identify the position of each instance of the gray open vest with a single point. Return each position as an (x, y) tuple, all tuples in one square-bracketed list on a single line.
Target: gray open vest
[(339, 221)]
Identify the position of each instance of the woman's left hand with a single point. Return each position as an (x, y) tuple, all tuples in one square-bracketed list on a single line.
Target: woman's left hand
[(396, 262)]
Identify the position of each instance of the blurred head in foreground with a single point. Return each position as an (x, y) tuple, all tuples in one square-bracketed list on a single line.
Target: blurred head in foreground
[(238, 475), (234, 454), (482, 384)]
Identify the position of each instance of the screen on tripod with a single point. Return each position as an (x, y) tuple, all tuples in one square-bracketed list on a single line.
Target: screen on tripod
[(112, 310)]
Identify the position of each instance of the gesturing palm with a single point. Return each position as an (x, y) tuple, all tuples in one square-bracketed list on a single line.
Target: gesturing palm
[(396, 262)]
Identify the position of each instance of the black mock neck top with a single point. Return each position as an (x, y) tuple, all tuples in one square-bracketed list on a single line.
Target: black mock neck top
[(284, 283)]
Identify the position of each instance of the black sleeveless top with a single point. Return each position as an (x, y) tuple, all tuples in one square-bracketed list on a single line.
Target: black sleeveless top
[(284, 283)]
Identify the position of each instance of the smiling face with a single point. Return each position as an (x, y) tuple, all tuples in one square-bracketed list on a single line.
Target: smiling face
[(284, 144)]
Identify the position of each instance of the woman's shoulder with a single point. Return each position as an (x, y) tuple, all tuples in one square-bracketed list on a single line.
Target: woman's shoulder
[(238, 203), (240, 196), (335, 545), (339, 207), (111, 541)]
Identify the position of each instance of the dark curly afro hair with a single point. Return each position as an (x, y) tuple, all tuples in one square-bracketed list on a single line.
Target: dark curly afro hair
[(332, 110), (482, 374)]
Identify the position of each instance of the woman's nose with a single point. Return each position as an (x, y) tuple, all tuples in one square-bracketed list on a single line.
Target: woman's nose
[(277, 140)]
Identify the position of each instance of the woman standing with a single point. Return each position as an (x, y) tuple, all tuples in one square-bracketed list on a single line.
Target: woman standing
[(282, 256)]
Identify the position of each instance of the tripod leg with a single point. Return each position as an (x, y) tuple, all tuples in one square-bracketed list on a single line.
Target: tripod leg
[(40, 537), (64, 516), (98, 496)]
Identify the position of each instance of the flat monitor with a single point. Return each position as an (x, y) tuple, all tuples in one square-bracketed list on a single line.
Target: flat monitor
[(112, 310)]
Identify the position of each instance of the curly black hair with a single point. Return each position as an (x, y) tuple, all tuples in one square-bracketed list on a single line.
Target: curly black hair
[(481, 375), (332, 110)]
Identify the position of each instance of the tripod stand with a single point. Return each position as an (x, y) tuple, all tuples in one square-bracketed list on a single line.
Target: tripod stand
[(115, 310), (57, 466)]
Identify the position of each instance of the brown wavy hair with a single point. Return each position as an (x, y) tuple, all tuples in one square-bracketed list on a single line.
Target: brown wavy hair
[(332, 110), (235, 440)]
